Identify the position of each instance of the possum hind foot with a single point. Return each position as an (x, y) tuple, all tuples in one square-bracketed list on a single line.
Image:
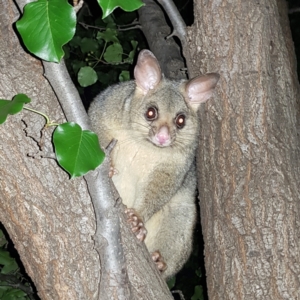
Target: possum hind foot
[(159, 261), (136, 224)]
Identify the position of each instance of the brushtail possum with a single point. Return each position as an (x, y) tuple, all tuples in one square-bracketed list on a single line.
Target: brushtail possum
[(156, 124)]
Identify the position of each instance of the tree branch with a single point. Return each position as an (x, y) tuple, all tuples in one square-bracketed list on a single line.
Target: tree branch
[(179, 30), (119, 28), (66, 93), (156, 30)]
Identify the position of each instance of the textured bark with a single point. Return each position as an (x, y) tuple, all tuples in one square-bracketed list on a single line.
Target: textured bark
[(49, 217), (249, 150)]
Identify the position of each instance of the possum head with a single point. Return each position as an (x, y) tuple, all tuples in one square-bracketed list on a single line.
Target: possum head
[(165, 111)]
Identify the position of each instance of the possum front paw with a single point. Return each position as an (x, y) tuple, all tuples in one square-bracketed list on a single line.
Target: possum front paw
[(136, 224), (159, 261), (112, 171)]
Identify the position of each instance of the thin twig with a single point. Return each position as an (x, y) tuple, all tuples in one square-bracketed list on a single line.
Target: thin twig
[(179, 30), (119, 28), (294, 10)]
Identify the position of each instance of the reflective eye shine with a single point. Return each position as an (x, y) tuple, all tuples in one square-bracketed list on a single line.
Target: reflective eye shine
[(151, 113), (180, 121)]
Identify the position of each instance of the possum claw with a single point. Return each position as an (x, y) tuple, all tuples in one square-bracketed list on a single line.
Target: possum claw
[(159, 261), (112, 172), (136, 224)]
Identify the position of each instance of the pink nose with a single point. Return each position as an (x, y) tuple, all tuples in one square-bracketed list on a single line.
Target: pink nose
[(163, 136)]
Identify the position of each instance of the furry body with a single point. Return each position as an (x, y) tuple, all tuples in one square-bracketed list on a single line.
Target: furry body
[(154, 157)]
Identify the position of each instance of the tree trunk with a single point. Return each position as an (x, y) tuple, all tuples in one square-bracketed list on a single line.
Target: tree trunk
[(248, 157), (49, 217)]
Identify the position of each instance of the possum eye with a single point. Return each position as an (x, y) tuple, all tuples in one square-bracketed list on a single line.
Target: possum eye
[(151, 113), (180, 121)]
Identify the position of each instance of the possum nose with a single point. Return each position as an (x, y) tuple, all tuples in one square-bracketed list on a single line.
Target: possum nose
[(163, 136)]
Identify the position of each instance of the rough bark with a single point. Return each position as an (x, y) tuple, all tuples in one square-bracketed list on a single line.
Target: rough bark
[(49, 217), (249, 150)]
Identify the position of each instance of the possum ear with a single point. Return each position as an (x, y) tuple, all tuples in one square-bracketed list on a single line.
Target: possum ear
[(147, 72), (199, 89)]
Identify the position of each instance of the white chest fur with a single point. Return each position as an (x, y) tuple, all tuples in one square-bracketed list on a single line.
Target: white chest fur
[(134, 163), (126, 163)]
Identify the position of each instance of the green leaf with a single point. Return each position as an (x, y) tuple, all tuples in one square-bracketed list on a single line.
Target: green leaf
[(11, 107), (109, 35), (108, 77), (131, 54), (198, 272), (113, 53), (88, 45), (124, 76), (108, 6), (87, 76), (77, 150), (77, 64), (9, 263), (171, 282), (75, 42), (198, 293), (110, 22), (12, 294), (46, 26)]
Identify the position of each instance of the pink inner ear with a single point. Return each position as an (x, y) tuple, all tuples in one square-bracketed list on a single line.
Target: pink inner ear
[(201, 88), (147, 72)]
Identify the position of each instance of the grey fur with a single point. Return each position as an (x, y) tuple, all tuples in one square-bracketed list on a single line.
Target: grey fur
[(158, 182)]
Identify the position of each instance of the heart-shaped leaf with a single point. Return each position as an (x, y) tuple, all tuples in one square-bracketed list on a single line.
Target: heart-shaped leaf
[(108, 6), (77, 150), (46, 26), (11, 107)]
